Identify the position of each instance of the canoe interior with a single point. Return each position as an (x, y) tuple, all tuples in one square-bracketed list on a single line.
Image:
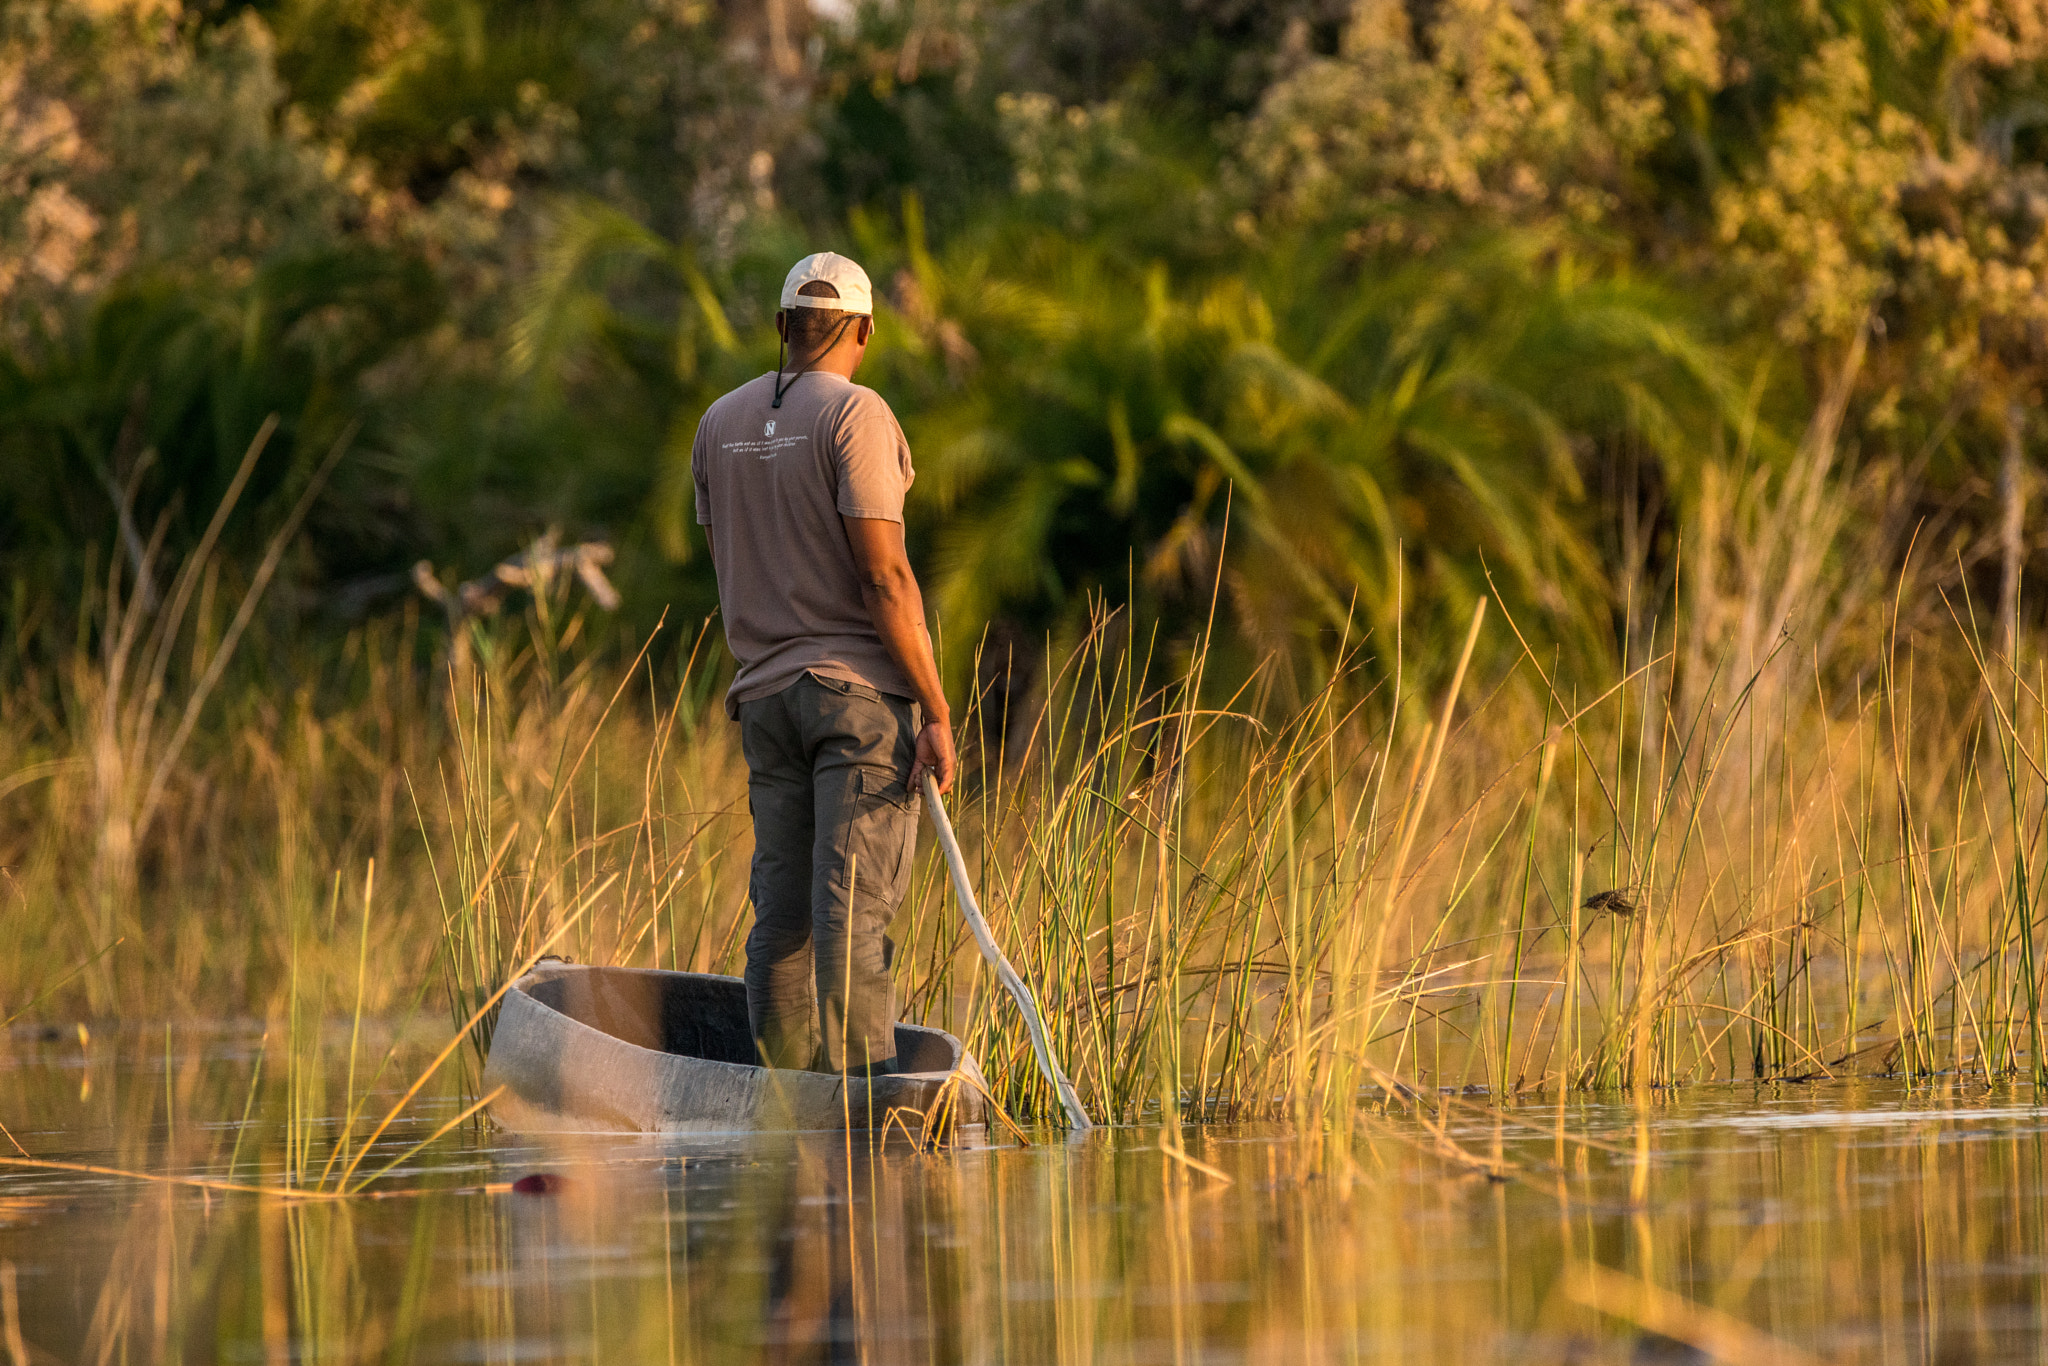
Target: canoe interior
[(638, 1050), (696, 1015)]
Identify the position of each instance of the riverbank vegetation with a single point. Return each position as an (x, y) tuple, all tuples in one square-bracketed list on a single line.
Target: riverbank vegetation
[(1476, 544)]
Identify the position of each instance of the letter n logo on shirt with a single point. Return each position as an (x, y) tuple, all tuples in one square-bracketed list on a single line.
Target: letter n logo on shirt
[(769, 430)]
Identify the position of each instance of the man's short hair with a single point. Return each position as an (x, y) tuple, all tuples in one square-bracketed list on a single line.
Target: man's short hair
[(813, 327)]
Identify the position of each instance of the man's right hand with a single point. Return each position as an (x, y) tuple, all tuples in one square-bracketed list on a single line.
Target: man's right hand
[(934, 756)]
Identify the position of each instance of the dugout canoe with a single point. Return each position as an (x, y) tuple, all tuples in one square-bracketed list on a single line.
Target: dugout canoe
[(636, 1050)]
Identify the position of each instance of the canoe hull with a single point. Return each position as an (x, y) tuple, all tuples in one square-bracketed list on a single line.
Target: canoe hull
[(628, 1050)]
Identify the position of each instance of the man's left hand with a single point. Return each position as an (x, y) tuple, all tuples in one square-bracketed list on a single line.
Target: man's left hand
[(934, 756)]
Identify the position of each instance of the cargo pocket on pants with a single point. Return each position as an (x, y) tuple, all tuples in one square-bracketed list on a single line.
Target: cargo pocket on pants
[(884, 834)]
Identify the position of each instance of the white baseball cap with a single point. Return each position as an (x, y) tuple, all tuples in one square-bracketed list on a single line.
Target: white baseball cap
[(856, 295)]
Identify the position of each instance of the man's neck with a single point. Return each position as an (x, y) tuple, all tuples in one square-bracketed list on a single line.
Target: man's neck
[(839, 360)]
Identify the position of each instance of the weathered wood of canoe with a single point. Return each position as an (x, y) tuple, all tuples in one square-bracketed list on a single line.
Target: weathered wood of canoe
[(631, 1050)]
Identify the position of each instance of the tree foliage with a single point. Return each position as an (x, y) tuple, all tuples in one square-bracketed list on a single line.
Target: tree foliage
[(1339, 308)]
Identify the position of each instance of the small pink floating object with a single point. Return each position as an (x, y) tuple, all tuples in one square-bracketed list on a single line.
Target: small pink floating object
[(539, 1183)]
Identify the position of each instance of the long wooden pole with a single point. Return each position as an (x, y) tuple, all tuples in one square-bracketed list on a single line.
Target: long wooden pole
[(1077, 1117)]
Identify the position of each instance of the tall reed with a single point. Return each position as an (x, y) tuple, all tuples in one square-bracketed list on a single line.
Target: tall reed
[(1490, 874), (1232, 909)]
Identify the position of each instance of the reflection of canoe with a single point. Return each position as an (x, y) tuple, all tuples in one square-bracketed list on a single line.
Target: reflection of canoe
[(631, 1050)]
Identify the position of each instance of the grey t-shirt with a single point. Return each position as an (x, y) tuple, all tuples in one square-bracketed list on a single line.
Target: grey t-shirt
[(772, 484)]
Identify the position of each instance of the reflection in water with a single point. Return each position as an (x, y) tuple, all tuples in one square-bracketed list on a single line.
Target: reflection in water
[(1844, 1222), (798, 1249)]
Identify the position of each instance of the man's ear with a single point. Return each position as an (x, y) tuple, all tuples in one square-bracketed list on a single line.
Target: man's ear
[(782, 324), (864, 330)]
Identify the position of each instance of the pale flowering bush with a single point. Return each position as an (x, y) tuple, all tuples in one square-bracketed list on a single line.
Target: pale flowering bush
[(2004, 33), (1064, 150), (1503, 112), (125, 144), (45, 229), (1860, 213), (149, 135), (1817, 228)]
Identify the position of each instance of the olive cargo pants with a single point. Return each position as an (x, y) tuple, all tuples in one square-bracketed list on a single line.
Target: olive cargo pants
[(835, 826)]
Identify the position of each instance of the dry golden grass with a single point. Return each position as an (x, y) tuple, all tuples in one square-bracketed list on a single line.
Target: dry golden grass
[(1229, 906)]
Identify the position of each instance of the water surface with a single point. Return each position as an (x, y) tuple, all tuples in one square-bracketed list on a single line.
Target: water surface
[(1844, 1221)]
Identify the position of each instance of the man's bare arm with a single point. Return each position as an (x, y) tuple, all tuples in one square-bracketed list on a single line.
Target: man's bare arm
[(896, 604)]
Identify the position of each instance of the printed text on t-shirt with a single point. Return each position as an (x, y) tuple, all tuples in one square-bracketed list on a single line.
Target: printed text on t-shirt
[(767, 448)]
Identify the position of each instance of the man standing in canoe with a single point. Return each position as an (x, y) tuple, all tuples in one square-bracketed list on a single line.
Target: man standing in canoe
[(800, 481)]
